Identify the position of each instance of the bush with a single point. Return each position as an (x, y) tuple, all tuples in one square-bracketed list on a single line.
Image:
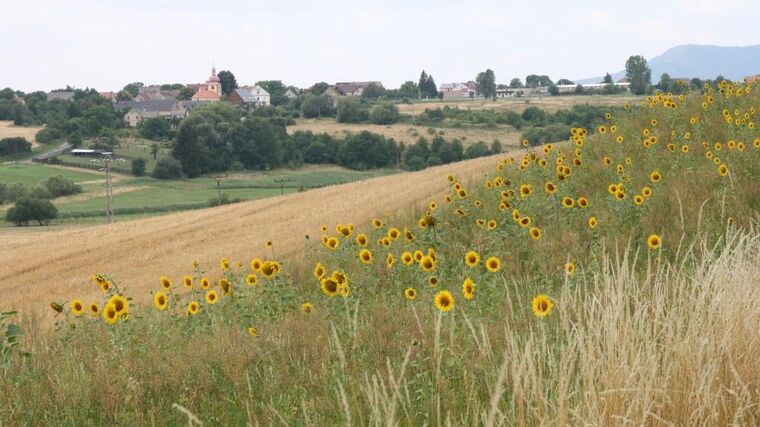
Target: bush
[(167, 168), (225, 200), (16, 145), (352, 110), (29, 209), (384, 113), (155, 128), (15, 192), (61, 186), (138, 167)]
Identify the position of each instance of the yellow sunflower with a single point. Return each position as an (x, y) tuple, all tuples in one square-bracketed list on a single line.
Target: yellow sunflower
[(468, 289), (252, 331), (472, 259), (493, 264), (166, 283), (110, 315), (160, 300), (390, 260), (193, 308), (188, 282), (410, 294), (542, 306), (365, 256), (120, 304), (330, 287), (256, 264), (224, 263), (211, 297), (444, 301), (77, 307), (427, 263), (592, 222), (654, 241), (251, 280), (570, 268), (535, 233), (307, 308), (319, 271)]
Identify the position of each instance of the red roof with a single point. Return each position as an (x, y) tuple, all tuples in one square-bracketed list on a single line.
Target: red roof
[(205, 94)]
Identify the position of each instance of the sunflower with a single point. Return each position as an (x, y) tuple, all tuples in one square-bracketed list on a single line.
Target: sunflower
[(542, 306), (472, 259), (592, 222), (444, 301), (211, 297), (432, 281), (570, 268), (619, 139), (187, 281), (319, 270), (105, 286), (361, 239), (307, 308), (270, 269), (224, 263), (166, 283), (568, 202), (120, 304), (193, 308), (394, 233), (550, 188), (252, 331), (410, 294), (344, 290), (654, 241), (377, 223), (385, 241), (427, 264), (722, 170), (251, 280), (468, 289), (332, 243), (365, 256), (97, 279), (390, 260), (655, 177), (646, 191), (77, 308), (524, 221), (602, 129), (408, 235), (493, 264), (225, 285), (638, 199), (492, 224), (58, 308), (110, 315), (525, 190), (93, 309), (418, 254), (330, 287), (256, 264), (535, 233), (433, 205), (407, 258)]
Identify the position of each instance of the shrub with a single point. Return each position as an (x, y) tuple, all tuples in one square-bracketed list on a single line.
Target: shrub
[(30, 209), (384, 113), (351, 110), (138, 167), (15, 145), (61, 186), (167, 168)]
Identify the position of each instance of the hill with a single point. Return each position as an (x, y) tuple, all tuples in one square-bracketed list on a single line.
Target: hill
[(701, 61)]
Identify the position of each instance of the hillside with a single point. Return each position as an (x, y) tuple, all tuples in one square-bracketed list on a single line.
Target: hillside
[(701, 61), (139, 252)]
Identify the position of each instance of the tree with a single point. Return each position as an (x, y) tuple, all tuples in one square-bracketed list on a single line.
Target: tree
[(133, 89), (373, 91), (351, 110), (228, 82), (31, 209), (553, 90), (515, 83), (384, 113), (185, 94), (138, 167), (167, 168), (276, 91), (319, 88), (565, 82), (409, 90), (607, 79), (58, 186), (534, 80), (486, 84), (317, 106), (638, 73), (427, 86), (155, 128)]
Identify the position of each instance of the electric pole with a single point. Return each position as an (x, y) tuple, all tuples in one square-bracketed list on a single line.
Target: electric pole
[(109, 191), (219, 179)]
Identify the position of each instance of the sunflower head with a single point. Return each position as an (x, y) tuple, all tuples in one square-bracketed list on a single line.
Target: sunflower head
[(542, 306), (493, 264), (211, 297), (444, 301), (160, 300), (410, 294), (77, 307), (471, 259), (307, 308), (654, 241)]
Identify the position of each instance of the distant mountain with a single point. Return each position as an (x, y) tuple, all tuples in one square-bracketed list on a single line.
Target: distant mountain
[(701, 61)]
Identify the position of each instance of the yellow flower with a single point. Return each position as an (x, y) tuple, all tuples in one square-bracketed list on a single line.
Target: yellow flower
[(535, 233), (550, 188), (646, 191), (160, 300), (361, 239), (307, 308), (568, 202), (394, 233), (251, 280), (638, 199), (410, 294), (493, 264), (319, 271), (592, 222), (723, 170), (252, 331), (472, 259), (77, 308), (407, 258), (166, 283), (110, 315), (205, 284), (120, 304), (270, 269), (427, 263), (654, 241), (256, 264), (542, 306), (390, 260), (655, 177), (225, 285), (468, 289), (582, 202), (330, 287), (224, 263), (444, 301), (365, 256), (211, 297), (433, 281), (188, 282), (193, 308), (570, 268)]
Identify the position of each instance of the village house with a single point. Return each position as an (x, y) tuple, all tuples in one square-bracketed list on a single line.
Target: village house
[(64, 95), (138, 111), (249, 96), (290, 94), (457, 90), (348, 88)]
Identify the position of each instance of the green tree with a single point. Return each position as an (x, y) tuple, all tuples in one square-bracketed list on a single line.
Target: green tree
[(155, 128), (138, 167), (427, 86), (515, 83), (409, 90), (276, 91), (384, 113), (317, 106), (553, 90), (31, 209), (228, 82), (133, 89), (535, 80), (167, 168), (351, 110), (373, 91), (257, 143), (59, 186), (607, 79), (319, 88), (185, 94), (565, 82), (638, 73), (486, 83)]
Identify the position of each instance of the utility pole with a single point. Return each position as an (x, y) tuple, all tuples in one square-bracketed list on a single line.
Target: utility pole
[(109, 190), (282, 184), (219, 179)]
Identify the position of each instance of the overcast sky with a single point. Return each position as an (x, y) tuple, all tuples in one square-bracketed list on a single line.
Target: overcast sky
[(47, 44)]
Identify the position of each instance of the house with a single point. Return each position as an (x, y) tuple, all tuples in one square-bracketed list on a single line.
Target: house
[(348, 88), (249, 96), (137, 111), (108, 95), (290, 94), (211, 91), (155, 93), (64, 95), (457, 91)]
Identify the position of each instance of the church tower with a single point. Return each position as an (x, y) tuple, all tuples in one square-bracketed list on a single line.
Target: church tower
[(213, 84)]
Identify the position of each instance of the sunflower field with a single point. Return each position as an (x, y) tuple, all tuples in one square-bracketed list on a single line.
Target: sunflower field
[(608, 279)]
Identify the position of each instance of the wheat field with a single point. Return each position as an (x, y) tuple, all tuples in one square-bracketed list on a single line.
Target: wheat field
[(7, 130), (37, 267)]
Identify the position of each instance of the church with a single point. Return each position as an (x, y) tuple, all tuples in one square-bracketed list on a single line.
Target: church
[(211, 91)]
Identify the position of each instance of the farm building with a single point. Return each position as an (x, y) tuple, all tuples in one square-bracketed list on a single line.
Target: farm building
[(137, 111), (348, 88), (250, 96), (81, 152)]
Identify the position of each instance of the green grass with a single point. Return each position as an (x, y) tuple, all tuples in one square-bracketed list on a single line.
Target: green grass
[(32, 174)]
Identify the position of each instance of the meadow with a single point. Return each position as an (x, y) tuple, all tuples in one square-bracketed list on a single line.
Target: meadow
[(606, 280), (8, 130), (548, 103)]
